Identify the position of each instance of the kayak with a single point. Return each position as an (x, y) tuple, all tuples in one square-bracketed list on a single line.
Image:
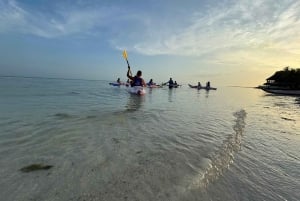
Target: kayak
[(118, 84), (139, 90), (154, 86), (192, 86), (173, 85), (115, 84), (206, 88)]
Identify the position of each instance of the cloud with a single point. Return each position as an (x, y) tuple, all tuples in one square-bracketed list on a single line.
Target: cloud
[(210, 29), (262, 24), (286, 30), (11, 16), (58, 23)]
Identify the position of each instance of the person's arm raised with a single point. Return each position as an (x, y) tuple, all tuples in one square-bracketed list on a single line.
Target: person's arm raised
[(129, 75)]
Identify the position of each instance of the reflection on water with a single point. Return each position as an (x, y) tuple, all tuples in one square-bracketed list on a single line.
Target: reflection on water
[(206, 93), (170, 92), (200, 92), (222, 159), (134, 102)]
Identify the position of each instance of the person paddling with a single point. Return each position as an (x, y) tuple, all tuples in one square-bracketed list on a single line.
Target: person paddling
[(136, 80), (171, 83), (151, 82), (208, 84), (199, 85), (175, 84)]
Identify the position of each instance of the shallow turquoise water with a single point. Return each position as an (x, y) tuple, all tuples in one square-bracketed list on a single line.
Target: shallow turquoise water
[(179, 144)]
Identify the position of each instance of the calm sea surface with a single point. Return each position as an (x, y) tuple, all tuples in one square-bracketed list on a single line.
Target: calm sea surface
[(182, 144)]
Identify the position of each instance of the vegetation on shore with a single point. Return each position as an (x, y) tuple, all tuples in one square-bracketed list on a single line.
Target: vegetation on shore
[(287, 78)]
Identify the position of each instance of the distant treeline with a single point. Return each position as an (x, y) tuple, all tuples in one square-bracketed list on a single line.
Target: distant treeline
[(288, 77)]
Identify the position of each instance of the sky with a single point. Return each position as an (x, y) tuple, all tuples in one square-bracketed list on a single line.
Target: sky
[(226, 42)]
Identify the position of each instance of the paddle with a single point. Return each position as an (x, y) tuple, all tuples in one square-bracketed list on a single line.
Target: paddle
[(125, 57)]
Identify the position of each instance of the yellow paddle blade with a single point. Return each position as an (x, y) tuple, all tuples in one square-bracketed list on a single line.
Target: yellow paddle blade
[(125, 54)]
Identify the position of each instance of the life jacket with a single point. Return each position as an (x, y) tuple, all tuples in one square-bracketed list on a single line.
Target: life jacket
[(137, 81)]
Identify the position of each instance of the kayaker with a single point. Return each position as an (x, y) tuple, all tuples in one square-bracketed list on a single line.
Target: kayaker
[(170, 82), (136, 80), (151, 82), (175, 84), (208, 84), (199, 85), (119, 81)]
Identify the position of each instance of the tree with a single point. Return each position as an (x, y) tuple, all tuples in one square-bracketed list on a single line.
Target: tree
[(287, 78)]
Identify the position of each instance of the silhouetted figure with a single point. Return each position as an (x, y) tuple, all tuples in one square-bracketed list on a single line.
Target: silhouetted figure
[(208, 84), (151, 82), (199, 85), (175, 84), (171, 83)]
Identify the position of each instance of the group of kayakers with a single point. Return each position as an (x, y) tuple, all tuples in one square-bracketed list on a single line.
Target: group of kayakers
[(137, 80), (207, 84)]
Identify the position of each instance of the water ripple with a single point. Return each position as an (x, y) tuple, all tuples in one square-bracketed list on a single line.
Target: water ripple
[(221, 160)]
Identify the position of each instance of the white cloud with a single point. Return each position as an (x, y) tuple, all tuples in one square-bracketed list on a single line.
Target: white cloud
[(228, 26), (61, 22), (11, 16), (244, 24)]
